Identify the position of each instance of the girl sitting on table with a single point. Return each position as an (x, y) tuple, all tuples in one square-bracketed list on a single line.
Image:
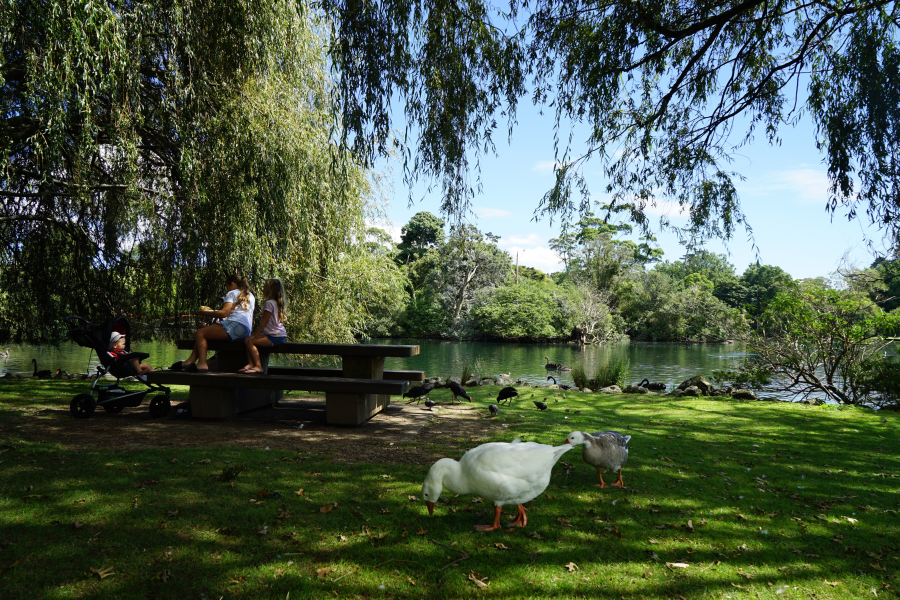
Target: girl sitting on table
[(270, 331), (236, 315)]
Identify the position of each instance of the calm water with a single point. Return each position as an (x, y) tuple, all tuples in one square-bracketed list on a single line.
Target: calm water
[(669, 363)]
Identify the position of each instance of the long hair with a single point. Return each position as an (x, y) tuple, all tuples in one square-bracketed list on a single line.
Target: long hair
[(243, 300), (274, 290)]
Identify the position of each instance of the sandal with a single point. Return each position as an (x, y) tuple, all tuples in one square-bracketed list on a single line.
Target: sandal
[(177, 366), (191, 368)]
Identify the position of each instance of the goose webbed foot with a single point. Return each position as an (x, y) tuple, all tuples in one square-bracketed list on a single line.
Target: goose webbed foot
[(494, 525), (521, 519)]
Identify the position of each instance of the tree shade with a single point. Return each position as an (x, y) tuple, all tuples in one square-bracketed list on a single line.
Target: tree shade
[(669, 91), (149, 149)]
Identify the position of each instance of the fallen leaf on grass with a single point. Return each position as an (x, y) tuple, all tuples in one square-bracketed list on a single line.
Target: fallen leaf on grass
[(163, 576), (173, 513), (877, 567), (832, 583), (572, 567), (851, 520), (299, 492), (738, 586), (563, 522), (690, 526), (677, 565), (535, 535), (741, 517), (328, 507), (76, 524), (103, 573), (422, 531), (412, 499), (342, 538), (500, 546), (480, 583), (322, 572), (654, 541)]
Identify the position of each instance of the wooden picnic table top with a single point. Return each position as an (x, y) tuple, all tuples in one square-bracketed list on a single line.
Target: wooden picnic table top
[(398, 351), (279, 382)]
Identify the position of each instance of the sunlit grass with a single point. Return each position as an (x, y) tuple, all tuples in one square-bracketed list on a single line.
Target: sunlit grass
[(758, 499)]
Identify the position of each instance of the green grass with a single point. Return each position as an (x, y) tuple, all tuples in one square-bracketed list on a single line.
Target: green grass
[(761, 500)]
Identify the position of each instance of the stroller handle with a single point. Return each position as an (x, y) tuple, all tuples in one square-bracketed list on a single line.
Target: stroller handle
[(76, 318)]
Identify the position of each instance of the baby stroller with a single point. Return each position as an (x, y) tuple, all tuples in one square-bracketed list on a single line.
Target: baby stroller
[(111, 396)]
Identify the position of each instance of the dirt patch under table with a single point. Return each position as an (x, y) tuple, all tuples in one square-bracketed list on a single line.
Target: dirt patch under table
[(402, 433)]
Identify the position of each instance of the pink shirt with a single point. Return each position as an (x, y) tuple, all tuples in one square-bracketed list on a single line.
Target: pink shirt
[(274, 327)]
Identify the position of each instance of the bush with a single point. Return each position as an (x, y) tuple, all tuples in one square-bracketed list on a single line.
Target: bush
[(611, 370)]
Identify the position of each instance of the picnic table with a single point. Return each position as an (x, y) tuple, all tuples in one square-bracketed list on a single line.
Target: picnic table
[(355, 392)]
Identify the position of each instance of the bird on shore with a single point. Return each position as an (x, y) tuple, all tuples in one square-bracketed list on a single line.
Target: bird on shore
[(5, 355), (429, 403), (507, 393), (540, 405), (551, 378), (418, 392), (503, 473), (61, 375), (457, 390), (652, 386), (45, 374), (603, 450), (563, 368), (494, 409)]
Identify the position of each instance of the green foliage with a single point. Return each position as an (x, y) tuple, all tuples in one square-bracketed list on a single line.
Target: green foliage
[(148, 149), (527, 311), (816, 339), (612, 369), (749, 375)]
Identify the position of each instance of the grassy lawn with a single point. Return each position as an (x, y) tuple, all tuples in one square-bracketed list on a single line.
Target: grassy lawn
[(724, 500)]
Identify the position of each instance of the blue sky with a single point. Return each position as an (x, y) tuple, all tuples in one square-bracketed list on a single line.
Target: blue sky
[(783, 197)]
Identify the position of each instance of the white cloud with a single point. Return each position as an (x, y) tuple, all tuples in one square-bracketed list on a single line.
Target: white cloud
[(531, 240), (666, 208), (545, 166), (392, 227), (488, 213), (540, 258), (801, 184)]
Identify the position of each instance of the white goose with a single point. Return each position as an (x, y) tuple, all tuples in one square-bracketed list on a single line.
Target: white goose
[(504, 473)]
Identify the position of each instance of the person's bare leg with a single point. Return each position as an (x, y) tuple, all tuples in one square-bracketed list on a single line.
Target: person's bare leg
[(201, 343), (253, 346)]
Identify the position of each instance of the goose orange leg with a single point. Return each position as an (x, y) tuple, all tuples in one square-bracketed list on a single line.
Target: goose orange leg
[(495, 525), (521, 519), (601, 484), (618, 482)]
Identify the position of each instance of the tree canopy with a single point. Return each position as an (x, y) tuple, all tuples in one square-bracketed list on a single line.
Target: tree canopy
[(669, 91), (149, 149)]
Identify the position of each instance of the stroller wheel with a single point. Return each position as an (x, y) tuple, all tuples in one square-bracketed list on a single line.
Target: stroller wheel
[(113, 409), (82, 406), (159, 406)]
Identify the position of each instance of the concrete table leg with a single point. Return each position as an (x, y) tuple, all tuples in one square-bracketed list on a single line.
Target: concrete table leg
[(356, 409)]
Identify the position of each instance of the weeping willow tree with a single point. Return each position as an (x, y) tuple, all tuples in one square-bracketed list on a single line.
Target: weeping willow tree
[(150, 149)]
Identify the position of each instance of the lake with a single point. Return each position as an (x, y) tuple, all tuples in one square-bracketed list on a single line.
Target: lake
[(670, 363)]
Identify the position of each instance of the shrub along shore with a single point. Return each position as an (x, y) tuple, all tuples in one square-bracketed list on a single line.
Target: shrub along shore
[(723, 498)]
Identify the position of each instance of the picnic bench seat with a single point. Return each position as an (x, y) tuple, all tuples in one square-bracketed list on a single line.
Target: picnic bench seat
[(353, 393)]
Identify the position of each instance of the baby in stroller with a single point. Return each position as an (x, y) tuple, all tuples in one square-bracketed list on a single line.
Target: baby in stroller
[(117, 343)]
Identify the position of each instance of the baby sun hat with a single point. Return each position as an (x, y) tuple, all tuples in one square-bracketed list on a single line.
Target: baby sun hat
[(114, 337)]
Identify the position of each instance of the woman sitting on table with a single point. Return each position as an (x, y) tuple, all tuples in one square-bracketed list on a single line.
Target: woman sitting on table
[(236, 315), (270, 331)]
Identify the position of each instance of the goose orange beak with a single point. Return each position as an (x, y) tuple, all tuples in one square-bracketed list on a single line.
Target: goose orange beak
[(430, 506), (567, 441)]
